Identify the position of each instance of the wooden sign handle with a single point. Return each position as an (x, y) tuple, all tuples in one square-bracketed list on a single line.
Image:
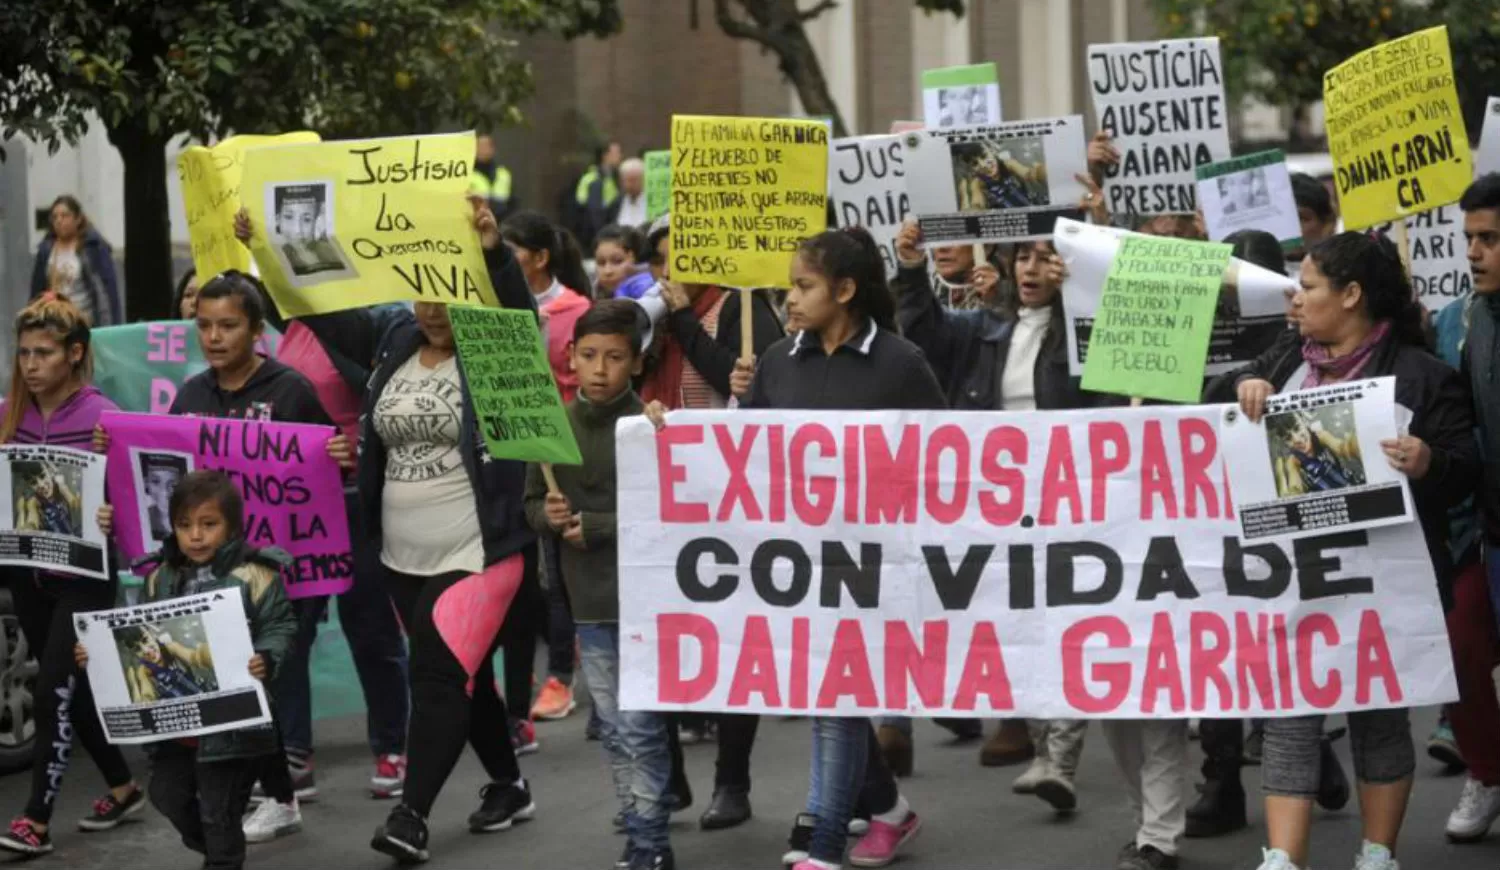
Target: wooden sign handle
[(551, 478), (747, 320), (1403, 245)]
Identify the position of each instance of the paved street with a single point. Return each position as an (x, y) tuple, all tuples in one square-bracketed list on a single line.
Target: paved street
[(972, 819)]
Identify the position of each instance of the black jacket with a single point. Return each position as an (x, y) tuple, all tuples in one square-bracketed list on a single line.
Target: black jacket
[(714, 356), (499, 484), (1442, 416), (875, 370), (967, 350), (276, 392)]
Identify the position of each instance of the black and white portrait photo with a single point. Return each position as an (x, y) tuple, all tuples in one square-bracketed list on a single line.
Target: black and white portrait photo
[(156, 476), (301, 230)]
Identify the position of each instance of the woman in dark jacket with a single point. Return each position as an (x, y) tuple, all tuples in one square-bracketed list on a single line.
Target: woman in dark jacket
[(453, 539), (1358, 319), (76, 262)]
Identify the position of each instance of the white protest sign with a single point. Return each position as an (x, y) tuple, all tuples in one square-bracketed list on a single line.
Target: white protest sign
[(1163, 105), (1313, 464), (1253, 192), (1250, 317), (1037, 564), (867, 185), (1487, 158), (961, 96), (1440, 270), (49, 508), (1003, 183), (174, 668)]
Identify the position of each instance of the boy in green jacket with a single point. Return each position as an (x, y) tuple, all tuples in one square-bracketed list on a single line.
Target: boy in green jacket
[(606, 355), (202, 785)]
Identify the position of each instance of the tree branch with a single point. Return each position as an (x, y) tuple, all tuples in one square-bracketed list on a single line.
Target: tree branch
[(737, 28), (825, 6)]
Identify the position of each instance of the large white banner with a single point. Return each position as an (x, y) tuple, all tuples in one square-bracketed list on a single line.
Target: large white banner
[(49, 510), (1062, 564)]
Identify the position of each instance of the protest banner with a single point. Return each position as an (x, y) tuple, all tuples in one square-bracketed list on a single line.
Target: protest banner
[(211, 197), (515, 398), (1313, 465), (1250, 315), (1487, 159), (339, 225), (658, 183), (867, 185), (1253, 192), (1163, 105), (293, 490), (961, 96), (1002, 183), (745, 193), (907, 126), (173, 669), (1045, 565), (141, 366), (49, 508), (1156, 312), (1438, 255), (1395, 130)]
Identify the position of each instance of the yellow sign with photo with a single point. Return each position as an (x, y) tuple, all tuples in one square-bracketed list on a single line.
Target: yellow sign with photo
[(339, 225), (745, 193), (211, 197), (1396, 131)]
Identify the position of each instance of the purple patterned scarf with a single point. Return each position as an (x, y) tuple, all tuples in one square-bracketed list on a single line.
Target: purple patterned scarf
[(1324, 369)]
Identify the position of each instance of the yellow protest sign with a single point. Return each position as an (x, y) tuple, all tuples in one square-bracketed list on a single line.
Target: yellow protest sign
[(340, 225), (745, 193), (1395, 130), (211, 196)]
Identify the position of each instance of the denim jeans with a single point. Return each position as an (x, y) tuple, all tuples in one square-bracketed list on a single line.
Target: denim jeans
[(561, 633), (369, 623), (204, 801), (839, 759), (640, 762)]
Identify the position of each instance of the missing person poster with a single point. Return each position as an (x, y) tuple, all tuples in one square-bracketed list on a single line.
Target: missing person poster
[(745, 193), (1396, 130), (1440, 271), (140, 366), (1003, 183), (1163, 105), (211, 197), (49, 509), (1313, 463), (172, 669), (293, 490), (961, 96), (867, 186), (1253, 192), (1487, 159), (1251, 313), (1036, 564), (341, 225)]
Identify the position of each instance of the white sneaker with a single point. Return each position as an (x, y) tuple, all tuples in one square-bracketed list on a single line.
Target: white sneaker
[(1373, 856), (1275, 859), (1477, 809), (1026, 782), (272, 820)]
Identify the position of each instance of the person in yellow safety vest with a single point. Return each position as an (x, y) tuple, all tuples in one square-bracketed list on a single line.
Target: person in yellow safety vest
[(491, 180), (596, 191)]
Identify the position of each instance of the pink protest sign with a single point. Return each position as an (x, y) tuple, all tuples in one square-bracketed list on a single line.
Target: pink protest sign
[(294, 495)]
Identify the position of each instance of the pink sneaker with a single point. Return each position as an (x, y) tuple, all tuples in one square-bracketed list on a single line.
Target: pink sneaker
[(878, 847)]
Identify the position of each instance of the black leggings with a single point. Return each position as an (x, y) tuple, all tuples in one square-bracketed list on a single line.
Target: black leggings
[(64, 702), (518, 636), (452, 624)]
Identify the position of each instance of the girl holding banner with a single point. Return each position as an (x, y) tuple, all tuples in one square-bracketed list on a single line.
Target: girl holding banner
[(51, 402), (1358, 319)]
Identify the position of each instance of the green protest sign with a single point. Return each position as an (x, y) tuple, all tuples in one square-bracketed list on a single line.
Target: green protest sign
[(520, 412), (140, 366), (1155, 316), (658, 183)]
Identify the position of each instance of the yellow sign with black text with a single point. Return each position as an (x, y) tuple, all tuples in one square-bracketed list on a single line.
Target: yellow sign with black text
[(340, 225)]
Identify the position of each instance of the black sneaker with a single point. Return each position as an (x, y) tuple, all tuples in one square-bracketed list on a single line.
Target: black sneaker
[(109, 813), (502, 804), (662, 860), (800, 840), (403, 836), (24, 838), (626, 857)]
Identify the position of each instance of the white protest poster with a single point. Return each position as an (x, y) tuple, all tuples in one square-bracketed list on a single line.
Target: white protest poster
[(1487, 158), (1250, 317), (1004, 183), (176, 668), (1163, 105), (1313, 464), (867, 186), (1037, 564), (1439, 253), (1253, 192), (961, 96), (49, 509)]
